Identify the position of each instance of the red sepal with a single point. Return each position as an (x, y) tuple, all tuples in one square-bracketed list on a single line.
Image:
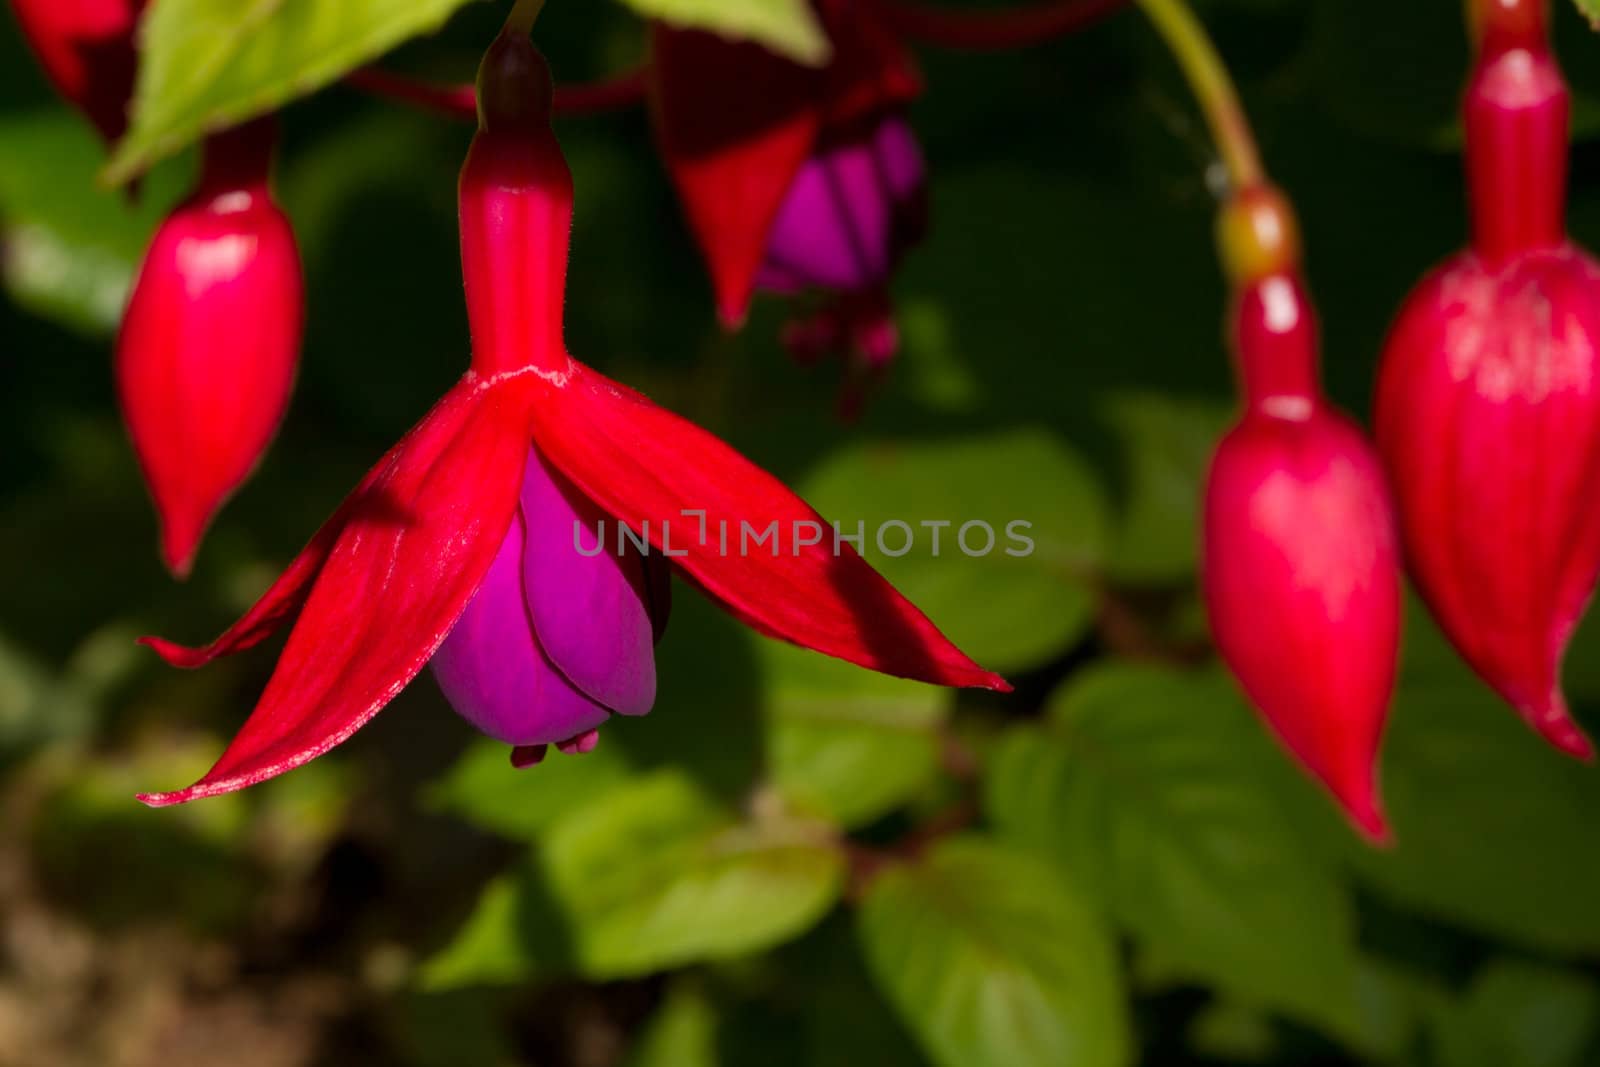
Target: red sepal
[(734, 123), (871, 71), (86, 48), (645, 465), (414, 544)]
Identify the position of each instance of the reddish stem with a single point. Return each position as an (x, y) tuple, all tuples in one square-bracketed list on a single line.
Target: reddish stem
[(611, 94), (461, 101), (993, 30)]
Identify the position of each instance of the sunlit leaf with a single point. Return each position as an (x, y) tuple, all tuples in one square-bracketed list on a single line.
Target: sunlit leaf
[(991, 958), (785, 26), (70, 248), (847, 743), (996, 537), (656, 875), (209, 64), (489, 947)]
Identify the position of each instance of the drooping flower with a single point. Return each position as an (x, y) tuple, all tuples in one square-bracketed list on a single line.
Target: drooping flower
[(1301, 566), (459, 546), (798, 180), (1488, 403), (206, 356), (87, 50)]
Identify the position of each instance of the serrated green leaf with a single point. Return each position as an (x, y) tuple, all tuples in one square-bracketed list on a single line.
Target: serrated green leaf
[(1159, 792), (788, 27), (991, 958), (1008, 611), (656, 875), (210, 64), (846, 743), (1494, 829)]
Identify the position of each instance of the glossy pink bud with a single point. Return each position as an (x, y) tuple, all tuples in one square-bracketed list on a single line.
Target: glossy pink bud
[(1488, 415), (206, 356), (1488, 411), (87, 50), (1302, 574)]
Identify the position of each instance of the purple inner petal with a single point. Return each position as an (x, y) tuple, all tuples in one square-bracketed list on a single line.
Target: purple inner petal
[(900, 159), (836, 227), (589, 608), (495, 675)]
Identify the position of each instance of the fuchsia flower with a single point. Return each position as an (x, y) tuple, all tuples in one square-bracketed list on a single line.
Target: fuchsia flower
[(1488, 403), (1302, 577), (797, 180), (458, 546), (87, 51), (206, 356)]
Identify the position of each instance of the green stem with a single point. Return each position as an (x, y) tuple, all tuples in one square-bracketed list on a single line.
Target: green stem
[(1212, 87), (524, 15)]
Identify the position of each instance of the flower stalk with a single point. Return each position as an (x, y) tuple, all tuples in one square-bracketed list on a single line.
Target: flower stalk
[(1212, 87), (616, 93), (523, 16), (992, 30)]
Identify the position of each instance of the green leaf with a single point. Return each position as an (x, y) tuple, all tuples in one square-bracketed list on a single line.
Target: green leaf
[(1166, 445), (682, 1033), (785, 26), (210, 64), (1589, 9), (70, 249), (485, 790), (1162, 795), (489, 948), (846, 743), (991, 958), (1520, 1015), (1007, 611), (1494, 829), (656, 875)]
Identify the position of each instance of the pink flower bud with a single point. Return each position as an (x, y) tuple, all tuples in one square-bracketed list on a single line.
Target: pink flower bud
[(1302, 577), (1488, 411), (86, 48), (1488, 414), (206, 357)]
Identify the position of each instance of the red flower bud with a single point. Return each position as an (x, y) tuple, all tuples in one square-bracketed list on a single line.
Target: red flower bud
[(1302, 577), (1488, 411), (206, 357), (516, 216), (86, 48)]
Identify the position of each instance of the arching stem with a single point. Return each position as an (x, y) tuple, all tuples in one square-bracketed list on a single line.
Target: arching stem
[(991, 30), (523, 16), (617, 93), (1212, 87)]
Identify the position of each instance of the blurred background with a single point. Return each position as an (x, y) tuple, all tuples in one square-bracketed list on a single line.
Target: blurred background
[(789, 861)]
